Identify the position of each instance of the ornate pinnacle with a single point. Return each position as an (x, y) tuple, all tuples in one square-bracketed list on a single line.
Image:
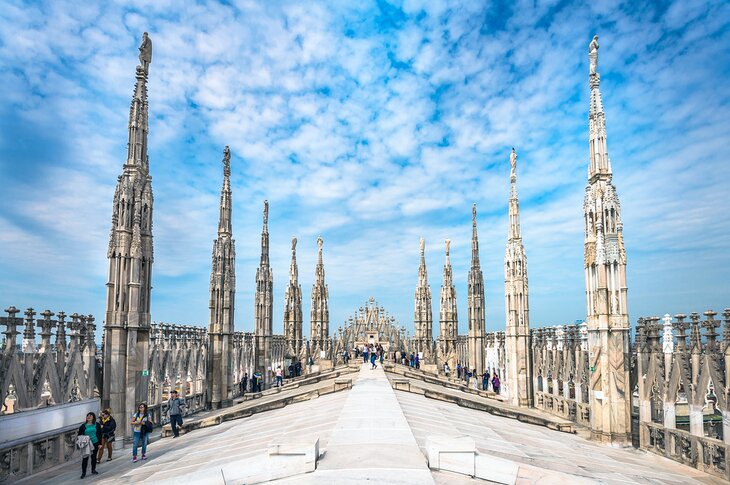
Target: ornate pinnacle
[(226, 162)]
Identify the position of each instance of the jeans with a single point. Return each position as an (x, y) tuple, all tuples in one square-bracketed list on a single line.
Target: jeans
[(140, 437), (85, 461), (175, 421), (279, 381)]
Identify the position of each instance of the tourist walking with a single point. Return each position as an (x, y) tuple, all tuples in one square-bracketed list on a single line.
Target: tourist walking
[(373, 365), (382, 355), (345, 356), (485, 381), (244, 382), (365, 354), (447, 370), (418, 362), (175, 406), (88, 440), (257, 377), (141, 424), (458, 370), (495, 383), (108, 426), (279, 377)]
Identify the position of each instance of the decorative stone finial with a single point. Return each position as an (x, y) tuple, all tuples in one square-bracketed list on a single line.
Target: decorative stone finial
[(422, 245), (266, 213), (293, 244), (448, 246), (513, 164), (227, 161)]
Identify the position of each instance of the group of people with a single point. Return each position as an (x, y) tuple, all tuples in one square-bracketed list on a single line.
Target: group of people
[(97, 434), (372, 353), (471, 377)]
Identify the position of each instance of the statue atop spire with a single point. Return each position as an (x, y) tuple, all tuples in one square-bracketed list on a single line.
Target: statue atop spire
[(294, 245), (448, 248), (266, 213), (145, 53), (422, 245), (593, 55), (226, 162), (513, 164)]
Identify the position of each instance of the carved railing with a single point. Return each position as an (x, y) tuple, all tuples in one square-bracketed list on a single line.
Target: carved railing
[(681, 389), (560, 371), (42, 373)]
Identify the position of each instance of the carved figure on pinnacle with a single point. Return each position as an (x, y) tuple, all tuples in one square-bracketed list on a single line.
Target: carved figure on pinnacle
[(145, 52), (593, 54)]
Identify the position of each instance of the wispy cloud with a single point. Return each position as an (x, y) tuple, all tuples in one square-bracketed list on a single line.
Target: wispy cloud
[(372, 124)]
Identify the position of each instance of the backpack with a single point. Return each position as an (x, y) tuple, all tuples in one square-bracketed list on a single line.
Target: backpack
[(148, 426)]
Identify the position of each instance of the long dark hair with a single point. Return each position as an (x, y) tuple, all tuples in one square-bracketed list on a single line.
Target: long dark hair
[(145, 408), (87, 418)]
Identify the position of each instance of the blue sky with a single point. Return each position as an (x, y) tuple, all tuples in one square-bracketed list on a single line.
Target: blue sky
[(372, 124)]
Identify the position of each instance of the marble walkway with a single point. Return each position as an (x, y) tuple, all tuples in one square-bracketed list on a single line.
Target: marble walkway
[(372, 433)]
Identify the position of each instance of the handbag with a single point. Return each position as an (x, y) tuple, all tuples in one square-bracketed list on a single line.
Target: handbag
[(148, 426)]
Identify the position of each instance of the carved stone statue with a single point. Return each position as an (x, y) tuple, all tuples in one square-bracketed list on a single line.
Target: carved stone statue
[(294, 243), (448, 246), (319, 242), (513, 163), (266, 212), (593, 54), (474, 212), (422, 245), (227, 161), (145, 52)]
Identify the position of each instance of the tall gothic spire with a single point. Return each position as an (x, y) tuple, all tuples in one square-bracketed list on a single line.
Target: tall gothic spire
[(224, 221), (222, 298), (517, 336), (320, 315), (130, 255), (293, 306), (607, 316), (448, 317), (475, 303), (423, 316), (264, 310), (600, 164)]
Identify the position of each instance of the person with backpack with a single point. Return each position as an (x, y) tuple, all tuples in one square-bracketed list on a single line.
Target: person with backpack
[(175, 406), (141, 428), (91, 429), (108, 426)]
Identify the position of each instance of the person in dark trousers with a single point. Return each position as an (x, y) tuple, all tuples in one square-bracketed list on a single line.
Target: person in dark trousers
[(244, 383), (364, 355), (485, 381), (458, 370), (373, 356), (298, 368), (175, 406), (108, 426), (92, 429), (495, 383), (279, 377), (257, 378)]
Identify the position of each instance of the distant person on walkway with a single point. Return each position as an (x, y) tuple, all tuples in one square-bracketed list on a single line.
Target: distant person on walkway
[(108, 426), (365, 354), (244, 383), (495, 383), (382, 355), (345, 356), (373, 356), (175, 406), (291, 370), (447, 370), (298, 368), (257, 377), (458, 370), (139, 423), (279, 377), (485, 380), (92, 429), (418, 362)]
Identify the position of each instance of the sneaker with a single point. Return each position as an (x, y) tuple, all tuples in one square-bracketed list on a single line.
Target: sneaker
[(144, 457), (94, 472), (108, 459), (135, 460)]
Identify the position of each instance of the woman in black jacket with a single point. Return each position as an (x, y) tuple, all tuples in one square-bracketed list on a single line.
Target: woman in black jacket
[(92, 429), (108, 426)]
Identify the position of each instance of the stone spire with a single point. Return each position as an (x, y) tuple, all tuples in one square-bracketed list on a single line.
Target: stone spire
[(130, 255), (222, 299), (320, 314), (293, 306), (263, 311), (516, 294), (448, 315), (423, 316), (607, 316), (475, 303)]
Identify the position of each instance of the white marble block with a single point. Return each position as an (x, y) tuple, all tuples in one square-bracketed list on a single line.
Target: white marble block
[(454, 454)]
